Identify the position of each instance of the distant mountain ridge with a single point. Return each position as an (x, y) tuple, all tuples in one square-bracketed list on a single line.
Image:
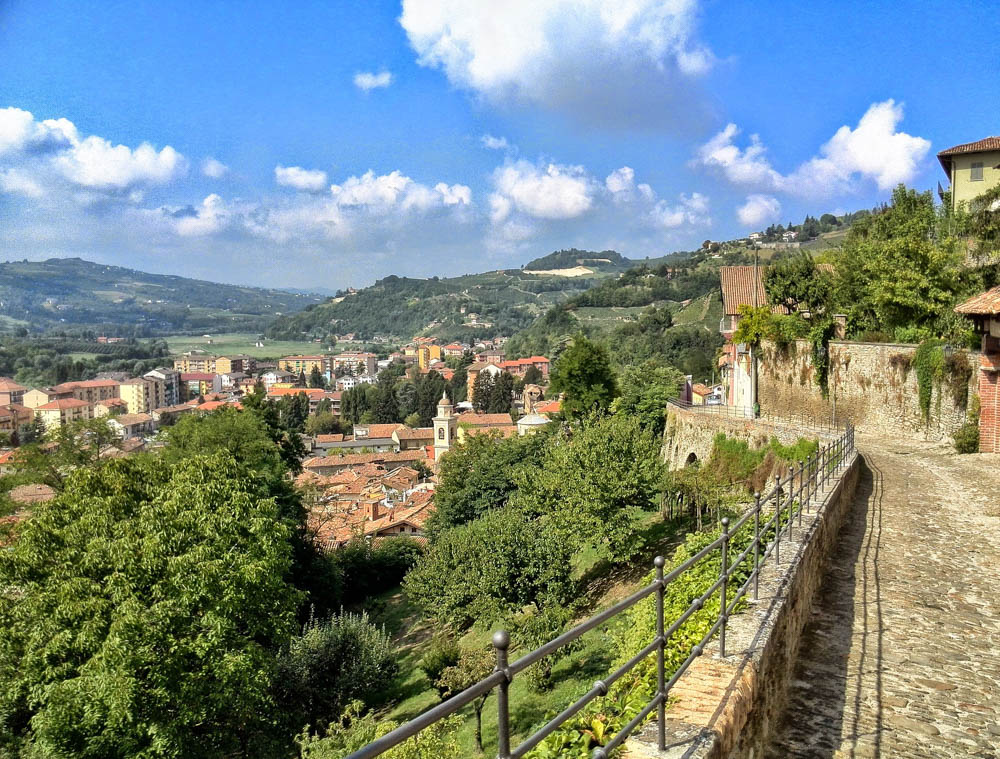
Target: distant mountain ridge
[(75, 293)]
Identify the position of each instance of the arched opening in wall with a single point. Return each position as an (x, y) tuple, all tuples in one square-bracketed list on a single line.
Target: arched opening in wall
[(692, 459)]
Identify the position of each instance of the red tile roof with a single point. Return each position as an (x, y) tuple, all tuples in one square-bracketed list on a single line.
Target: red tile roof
[(984, 304), (63, 403), (744, 286), (112, 402), (700, 389), (354, 459), (127, 420), (979, 146), (195, 376), (417, 433), (484, 420), (329, 438), (213, 405), (377, 430), (7, 385), (548, 407), (311, 392)]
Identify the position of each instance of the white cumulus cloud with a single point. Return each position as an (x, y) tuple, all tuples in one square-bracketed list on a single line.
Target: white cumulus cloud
[(759, 210), (37, 156), (307, 180), (874, 150), (590, 58), (214, 168), (368, 81), (691, 210), (543, 192)]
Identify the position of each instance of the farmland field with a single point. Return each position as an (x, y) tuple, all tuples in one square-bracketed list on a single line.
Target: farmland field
[(241, 342)]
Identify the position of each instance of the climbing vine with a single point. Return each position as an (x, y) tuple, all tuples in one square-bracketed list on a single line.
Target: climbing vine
[(928, 360), (820, 335), (959, 370)]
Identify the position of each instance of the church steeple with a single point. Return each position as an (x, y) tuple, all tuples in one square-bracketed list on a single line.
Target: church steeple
[(445, 427)]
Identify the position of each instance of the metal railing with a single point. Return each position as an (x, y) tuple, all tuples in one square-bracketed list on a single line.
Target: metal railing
[(773, 515), (743, 412)]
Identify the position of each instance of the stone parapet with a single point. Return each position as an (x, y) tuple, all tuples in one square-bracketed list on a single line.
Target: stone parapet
[(727, 708)]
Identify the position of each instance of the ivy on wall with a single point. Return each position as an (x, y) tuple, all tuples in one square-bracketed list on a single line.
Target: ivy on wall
[(928, 360), (820, 335)]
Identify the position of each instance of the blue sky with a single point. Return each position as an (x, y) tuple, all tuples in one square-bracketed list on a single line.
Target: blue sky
[(331, 143)]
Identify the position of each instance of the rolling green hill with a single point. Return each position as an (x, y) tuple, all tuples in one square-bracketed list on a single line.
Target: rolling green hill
[(72, 294)]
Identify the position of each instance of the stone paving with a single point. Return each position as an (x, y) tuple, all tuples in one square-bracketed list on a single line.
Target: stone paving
[(901, 655)]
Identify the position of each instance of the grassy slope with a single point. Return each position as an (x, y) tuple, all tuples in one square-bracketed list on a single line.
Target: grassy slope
[(573, 676)]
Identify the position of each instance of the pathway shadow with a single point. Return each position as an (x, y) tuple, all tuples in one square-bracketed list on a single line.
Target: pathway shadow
[(830, 710)]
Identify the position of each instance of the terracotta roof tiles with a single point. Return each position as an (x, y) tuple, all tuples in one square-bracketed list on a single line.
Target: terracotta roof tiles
[(984, 304)]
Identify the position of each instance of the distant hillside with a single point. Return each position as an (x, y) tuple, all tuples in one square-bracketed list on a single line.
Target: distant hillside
[(66, 293), (665, 311), (471, 306), (606, 260)]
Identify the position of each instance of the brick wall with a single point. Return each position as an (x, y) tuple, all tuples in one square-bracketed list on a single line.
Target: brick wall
[(871, 384), (989, 400)]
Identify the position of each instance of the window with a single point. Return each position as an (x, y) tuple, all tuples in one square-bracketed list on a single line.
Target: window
[(977, 172), (440, 433)]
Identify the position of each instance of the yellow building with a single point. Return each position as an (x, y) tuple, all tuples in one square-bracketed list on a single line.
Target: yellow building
[(304, 364), (63, 411), (972, 168), (143, 395), (428, 353)]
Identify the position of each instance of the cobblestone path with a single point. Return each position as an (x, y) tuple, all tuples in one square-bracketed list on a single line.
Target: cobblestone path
[(901, 656)]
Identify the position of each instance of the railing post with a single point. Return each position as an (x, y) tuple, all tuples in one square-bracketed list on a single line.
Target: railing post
[(723, 603), (777, 519), (802, 485), (661, 672), (501, 642), (791, 501), (756, 545)]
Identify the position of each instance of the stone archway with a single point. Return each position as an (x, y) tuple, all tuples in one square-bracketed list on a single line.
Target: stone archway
[(691, 460)]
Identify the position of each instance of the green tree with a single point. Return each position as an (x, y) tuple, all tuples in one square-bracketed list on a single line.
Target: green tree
[(480, 474), (324, 423), (385, 409), (150, 601), (645, 390), (583, 372), (489, 568), (533, 376), (333, 662), (61, 451), (482, 391), (316, 378), (894, 271), (471, 667), (588, 489), (797, 284), (501, 394)]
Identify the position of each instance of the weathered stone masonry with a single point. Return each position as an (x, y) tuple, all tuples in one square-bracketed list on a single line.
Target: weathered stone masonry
[(871, 384)]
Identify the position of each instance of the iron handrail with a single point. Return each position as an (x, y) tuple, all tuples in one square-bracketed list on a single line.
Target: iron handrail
[(812, 476)]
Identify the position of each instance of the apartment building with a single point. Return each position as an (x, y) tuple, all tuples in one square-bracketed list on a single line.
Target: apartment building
[(305, 364), (11, 392), (171, 379), (143, 395), (63, 411)]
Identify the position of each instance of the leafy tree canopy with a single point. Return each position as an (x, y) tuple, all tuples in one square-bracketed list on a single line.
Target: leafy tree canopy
[(583, 372), (141, 611)]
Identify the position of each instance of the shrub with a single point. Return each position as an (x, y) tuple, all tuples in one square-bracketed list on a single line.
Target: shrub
[(912, 334), (354, 730), (966, 437), (333, 662), (959, 370), (367, 568), (443, 652)]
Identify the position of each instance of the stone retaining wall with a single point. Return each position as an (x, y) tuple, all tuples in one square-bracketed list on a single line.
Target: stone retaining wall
[(726, 708), (871, 384), (691, 432)]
